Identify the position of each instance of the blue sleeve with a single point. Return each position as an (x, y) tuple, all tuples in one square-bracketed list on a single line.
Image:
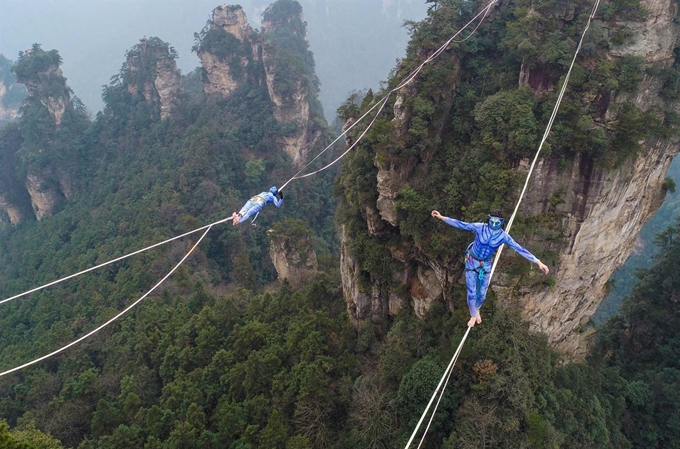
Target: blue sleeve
[(271, 198), (460, 224), (519, 248)]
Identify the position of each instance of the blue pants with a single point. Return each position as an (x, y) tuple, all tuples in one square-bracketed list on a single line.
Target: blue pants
[(251, 207), (476, 287)]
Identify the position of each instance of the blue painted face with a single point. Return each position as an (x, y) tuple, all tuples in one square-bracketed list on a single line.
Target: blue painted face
[(495, 223)]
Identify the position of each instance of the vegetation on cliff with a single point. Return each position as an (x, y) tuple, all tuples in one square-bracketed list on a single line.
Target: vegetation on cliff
[(46, 142), (215, 361), (286, 39), (469, 124), (51, 122)]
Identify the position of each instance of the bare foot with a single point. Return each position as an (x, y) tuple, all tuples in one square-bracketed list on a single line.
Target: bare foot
[(234, 219), (472, 321), (479, 318)]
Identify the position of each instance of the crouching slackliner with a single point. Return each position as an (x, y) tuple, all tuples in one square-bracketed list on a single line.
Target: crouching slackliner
[(489, 237), (256, 203)]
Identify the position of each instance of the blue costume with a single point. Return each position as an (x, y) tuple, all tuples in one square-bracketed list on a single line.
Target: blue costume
[(479, 256), (256, 203)]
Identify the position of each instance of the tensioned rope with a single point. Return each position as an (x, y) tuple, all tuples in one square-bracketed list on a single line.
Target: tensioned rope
[(453, 363), (123, 312), (449, 369), (547, 129), (71, 276), (383, 101), (380, 103), (447, 373)]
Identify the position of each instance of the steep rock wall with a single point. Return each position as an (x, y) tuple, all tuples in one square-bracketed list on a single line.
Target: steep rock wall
[(47, 90), (603, 210), (168, 84), (233, 20), (151, 73), (291, 97), (44, 197), (55, 101), (14, 199), (13, 211), (602, 214), (293, 259), (225, 66), (233, 55), (217, 74)]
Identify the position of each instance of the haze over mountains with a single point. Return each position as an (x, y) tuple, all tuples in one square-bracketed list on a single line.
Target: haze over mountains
[(355, 42)]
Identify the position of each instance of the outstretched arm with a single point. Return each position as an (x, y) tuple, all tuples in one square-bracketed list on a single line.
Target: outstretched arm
[(455, 223), (525, 253)]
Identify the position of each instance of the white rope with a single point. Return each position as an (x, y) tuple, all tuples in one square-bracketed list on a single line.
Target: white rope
[(448, 369), (441, 394), (92, 332), (526, 183), (382, 105), (329, 146), (547, 131), (111, 261), (384, 99)]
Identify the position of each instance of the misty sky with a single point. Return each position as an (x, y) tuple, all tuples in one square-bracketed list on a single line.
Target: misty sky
[(355, 42)]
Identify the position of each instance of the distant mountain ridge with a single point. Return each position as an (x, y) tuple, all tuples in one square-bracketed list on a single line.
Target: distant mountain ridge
[(234, 57)]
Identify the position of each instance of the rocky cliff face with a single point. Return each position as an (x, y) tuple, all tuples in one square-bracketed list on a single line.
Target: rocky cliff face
[(233, 56), (13, 212), (293, 111), (597, 208), (226, 50), (48, 86), (291, 97), (151, 73), (44, 197), (14, 200), (39, 71), (603, 209), (37, 182), (293, 258)]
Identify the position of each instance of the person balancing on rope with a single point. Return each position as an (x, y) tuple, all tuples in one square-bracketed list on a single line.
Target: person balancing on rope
[(255, 204), (479, 254)]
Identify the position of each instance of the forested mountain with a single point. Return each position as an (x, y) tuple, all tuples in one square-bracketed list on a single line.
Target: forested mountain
[(461, 137), (163, 157), (40, 154), (220, 356), (92, 37)]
